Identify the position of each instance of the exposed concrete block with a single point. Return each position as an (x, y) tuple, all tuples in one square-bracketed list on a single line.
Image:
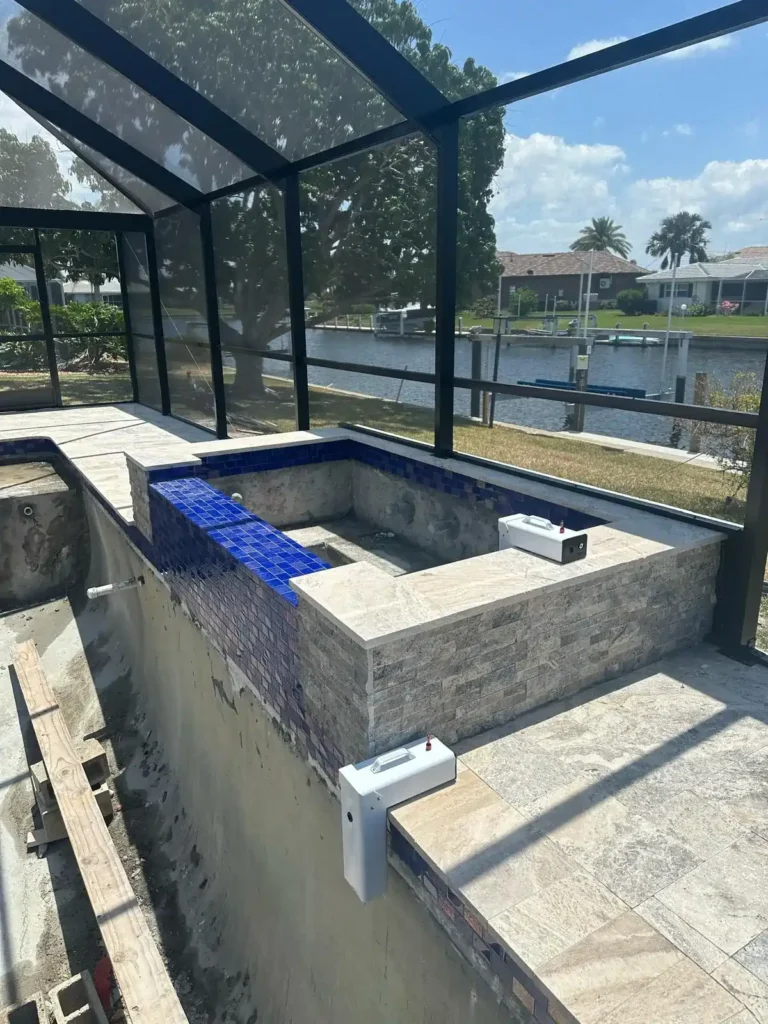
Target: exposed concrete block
[(32, 1011), (75, 1001), (53, 827), (93, 758)]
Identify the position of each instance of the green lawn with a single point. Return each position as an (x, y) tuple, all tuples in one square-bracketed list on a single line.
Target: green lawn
[(730, 326), (691, 487), (76, 388)]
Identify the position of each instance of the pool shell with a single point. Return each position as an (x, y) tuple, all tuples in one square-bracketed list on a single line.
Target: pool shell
[(354, 661)]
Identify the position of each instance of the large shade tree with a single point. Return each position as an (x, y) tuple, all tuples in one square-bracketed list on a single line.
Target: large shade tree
[(368, 221), (31, 177), (679, 235), (603, 234)]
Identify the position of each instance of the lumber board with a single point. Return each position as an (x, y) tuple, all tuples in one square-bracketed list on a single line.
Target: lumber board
[(139, 970)]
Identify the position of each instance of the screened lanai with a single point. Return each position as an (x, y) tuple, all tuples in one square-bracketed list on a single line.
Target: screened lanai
[(270, 174)]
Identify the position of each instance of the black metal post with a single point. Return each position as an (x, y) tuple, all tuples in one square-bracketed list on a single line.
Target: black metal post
[(212, 315), (45, 316), (476, 373), (445, 271), (157, 323), (496, 356), (745, 556), (129, 349), (293, 254)]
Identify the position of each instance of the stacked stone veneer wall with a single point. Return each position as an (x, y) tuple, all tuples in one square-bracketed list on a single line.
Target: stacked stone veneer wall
[(459, 679)]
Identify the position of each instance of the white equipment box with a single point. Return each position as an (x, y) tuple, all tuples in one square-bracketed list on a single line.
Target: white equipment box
[(369, 789), (539, 535)]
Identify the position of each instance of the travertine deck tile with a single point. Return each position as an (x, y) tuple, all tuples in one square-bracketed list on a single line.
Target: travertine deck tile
[(754, 956), (726, 897), (546, 924), (745, 987), (682, 995), (703, 952), (609, 967)]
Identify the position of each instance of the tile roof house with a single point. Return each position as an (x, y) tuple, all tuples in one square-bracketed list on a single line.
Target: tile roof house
[(557, 275), (741, 279)]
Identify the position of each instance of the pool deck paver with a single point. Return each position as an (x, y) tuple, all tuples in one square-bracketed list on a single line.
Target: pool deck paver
[(617, 843)]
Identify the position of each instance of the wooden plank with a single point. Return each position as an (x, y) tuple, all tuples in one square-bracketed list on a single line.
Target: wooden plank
[(140, 972)]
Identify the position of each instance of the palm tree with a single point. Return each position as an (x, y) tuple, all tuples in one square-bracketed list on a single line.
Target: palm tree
[(679, 234), (602, 234)]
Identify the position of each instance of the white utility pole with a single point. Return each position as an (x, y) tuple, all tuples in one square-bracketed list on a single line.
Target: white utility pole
[(669, 322), (589, 290)]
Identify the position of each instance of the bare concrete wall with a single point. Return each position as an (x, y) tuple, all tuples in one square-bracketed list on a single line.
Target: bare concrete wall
[(42, 534), (256, 840), (295, 494), (443, 524)]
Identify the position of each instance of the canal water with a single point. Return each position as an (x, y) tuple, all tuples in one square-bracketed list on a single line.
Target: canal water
[(625, 366)]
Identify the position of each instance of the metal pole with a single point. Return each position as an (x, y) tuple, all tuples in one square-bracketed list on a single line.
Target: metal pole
[(744, 556), (669, 324), (45, 316), (581, 297), (129, 346), (496, 355), (743, 297), (682, 368), (476, 372), (293, 257), (445, 269), (157, 323), (720, 295), (212, 315), (498, 298), (581, 380), (589, 291)]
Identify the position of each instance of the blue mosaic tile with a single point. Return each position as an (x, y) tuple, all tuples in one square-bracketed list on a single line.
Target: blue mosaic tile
[(202, 504)]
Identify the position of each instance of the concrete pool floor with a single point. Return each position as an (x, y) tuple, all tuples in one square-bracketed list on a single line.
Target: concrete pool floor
[(617, 844)]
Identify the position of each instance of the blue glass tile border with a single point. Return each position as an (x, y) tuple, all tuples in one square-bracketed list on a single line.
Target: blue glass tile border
[(503, 501), (261, 548), (269, 554)]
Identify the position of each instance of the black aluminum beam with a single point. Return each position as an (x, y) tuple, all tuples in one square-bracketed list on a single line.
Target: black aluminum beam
[(157, 322), (747, 570), (88, 31), (45, 316), (445, 283), (720, 22), (673, 410), (62, 220), (295, 267), (388, 71), (214, 324), (373, 371), (129, 346), (56, 110)]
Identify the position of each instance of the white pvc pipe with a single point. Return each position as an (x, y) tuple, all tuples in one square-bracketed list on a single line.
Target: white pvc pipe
[(111, 588)]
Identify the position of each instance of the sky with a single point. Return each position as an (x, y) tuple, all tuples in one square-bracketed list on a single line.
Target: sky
[(684, 131)]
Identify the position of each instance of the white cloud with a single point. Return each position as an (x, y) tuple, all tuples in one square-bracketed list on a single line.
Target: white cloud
[(582, 49), (513, 76), (700, 49), (683, 129), (549, 188)]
